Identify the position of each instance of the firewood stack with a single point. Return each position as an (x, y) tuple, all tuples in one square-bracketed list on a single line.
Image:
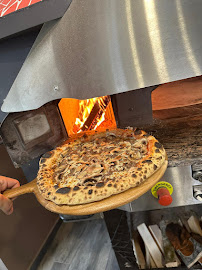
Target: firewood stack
[(173, 243)]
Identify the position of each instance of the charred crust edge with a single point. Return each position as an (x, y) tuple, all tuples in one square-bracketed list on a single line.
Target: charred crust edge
[(43, 160), (64, 190), (138, 131), (158, 145), (100, 184), (47, 155), (147, 161)]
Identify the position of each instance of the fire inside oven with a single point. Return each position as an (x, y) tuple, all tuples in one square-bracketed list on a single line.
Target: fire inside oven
[(85, 115), (28, 135)]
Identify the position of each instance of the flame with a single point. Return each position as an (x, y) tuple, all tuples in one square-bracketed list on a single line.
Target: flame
[(85, 115), (85, 108)]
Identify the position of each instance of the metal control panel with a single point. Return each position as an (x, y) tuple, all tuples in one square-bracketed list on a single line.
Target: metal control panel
[(183, 191)]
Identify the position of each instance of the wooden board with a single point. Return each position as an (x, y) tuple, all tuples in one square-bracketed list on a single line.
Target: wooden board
[(195, 225), (95, 207), (157, 235), (150, 264), (138, 251), (150, 245)]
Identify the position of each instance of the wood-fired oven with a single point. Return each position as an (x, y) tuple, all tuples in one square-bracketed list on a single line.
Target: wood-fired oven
[(108, 64)]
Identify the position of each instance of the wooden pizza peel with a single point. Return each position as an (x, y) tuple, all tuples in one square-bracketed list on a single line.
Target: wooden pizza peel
[(109, 203)]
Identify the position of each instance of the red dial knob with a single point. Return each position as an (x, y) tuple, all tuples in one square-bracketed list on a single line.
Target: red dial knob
[(164, 197)]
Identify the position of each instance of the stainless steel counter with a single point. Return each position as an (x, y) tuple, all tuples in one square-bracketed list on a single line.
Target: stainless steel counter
[(182, 182)]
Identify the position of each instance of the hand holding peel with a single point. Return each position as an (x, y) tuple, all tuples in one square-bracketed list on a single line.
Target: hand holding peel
[(6, 205)]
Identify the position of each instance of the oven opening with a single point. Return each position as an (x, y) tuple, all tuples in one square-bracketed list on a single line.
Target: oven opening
[(85, 115)]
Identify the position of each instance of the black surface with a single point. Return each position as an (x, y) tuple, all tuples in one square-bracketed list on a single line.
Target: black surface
[(30, 169), (31, 16), (133, 108), (116, 221)]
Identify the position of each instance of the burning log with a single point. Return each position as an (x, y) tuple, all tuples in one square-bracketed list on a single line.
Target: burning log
[(92, 117), (96, 113)]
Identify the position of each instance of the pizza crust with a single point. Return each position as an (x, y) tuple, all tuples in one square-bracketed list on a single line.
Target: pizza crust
[(93, 167)]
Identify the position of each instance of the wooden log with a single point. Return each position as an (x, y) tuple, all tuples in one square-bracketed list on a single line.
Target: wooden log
[(157, 235), (185, 223), (138, 251), (93, 114), (102, 108), (151, 245), (150, 264), (195, 225)]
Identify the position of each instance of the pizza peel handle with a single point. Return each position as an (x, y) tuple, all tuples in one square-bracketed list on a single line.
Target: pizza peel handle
[(15, 192)]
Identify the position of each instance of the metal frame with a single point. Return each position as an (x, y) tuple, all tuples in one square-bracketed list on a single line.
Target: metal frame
[(133, 108), (181, 180), (108, 47), (13, 52), (22, 151), (31, 16)]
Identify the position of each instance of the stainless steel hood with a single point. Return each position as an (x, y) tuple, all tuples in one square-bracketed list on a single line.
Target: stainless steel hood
[(107, 47)]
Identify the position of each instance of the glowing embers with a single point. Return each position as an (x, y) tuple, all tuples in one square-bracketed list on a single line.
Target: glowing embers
[(89, 114)]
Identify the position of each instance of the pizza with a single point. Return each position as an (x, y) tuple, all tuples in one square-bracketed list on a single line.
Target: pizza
[(92, 167)]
